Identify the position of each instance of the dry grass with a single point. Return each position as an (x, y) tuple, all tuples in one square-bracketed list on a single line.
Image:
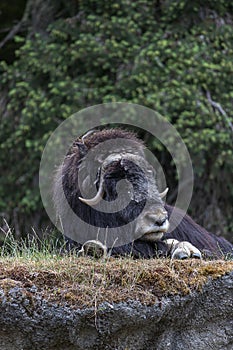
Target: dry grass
[(85, 282)]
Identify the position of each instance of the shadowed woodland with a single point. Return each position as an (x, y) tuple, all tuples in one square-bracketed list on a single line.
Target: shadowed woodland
[(175, 57)]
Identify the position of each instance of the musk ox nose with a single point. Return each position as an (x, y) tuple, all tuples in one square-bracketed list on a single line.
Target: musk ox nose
[(157, 218), (160, 222), (153, 224)]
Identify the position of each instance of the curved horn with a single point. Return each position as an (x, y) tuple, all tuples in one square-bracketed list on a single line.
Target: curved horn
[(95, 200), (163, 194), (99, 194)]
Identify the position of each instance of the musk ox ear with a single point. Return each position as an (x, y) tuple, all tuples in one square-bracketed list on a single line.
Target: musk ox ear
[(163, 194)]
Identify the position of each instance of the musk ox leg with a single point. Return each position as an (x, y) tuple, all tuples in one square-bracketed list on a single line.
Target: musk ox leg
[(182, 250), (93, 248)]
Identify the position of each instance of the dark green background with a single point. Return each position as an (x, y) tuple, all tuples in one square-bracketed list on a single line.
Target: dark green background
[(175, 57)]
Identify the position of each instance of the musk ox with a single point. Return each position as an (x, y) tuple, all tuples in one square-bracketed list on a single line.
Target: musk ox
[(143, 210)]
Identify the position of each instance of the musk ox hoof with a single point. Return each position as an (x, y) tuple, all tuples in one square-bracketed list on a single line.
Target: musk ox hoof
[(182, 250), (93, 248)]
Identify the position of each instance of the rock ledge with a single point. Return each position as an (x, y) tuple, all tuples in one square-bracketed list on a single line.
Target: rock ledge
[(201, 320)]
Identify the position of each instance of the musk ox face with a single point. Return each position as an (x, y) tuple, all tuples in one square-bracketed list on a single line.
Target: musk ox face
[(125, 191), (151, 222)]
